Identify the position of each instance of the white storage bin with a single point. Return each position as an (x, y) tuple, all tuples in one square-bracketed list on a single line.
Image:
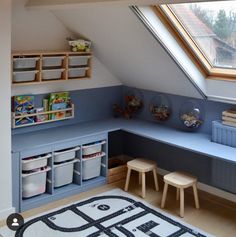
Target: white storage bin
[(78, 60), (25, 63), (34, 183), (92, 148), (91, 167), (77, 72), (35, 162), (65, 155), (63, 173), (52, 61), (24, 76), (52, 74)]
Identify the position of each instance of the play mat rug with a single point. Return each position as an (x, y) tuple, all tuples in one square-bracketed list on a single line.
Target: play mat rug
[(114, 214)]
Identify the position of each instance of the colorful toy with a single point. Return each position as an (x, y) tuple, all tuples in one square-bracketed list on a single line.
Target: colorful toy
[(161, 112)]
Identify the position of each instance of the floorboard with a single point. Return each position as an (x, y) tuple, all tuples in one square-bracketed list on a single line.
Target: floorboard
[(216, 216)]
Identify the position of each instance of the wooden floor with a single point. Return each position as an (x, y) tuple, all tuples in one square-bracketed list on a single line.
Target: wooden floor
[(215, 216)]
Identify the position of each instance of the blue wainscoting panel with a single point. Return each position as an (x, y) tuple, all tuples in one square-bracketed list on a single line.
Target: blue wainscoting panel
[(90, 104), (168, 157), (211, 110)]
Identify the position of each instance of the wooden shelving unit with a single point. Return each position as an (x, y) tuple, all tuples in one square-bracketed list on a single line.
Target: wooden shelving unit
[(16, 117), (30, 68)]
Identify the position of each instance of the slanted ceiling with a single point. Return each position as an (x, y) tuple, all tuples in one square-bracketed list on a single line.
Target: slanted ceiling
[(127, 48)]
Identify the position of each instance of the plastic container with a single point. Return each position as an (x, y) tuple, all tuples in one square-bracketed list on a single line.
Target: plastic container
[(78, 60), (77, 72), (223, 134), (35, 162), (91, 167), (24, 63), (34, 183), (92, 148), (52, 61), (24, 76), (65, 155), (63, 173), (52, 74)]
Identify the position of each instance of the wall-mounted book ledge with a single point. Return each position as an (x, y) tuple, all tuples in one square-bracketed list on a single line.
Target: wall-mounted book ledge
[(24, 120)]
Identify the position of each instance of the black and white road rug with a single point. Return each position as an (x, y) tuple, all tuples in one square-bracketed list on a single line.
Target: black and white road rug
[(111, 214)]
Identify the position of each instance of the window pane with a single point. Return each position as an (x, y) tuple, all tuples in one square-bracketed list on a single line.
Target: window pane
[(212, 25)]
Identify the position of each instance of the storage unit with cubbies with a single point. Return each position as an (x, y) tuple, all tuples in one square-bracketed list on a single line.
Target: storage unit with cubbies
[(42, 67), (55, 171)]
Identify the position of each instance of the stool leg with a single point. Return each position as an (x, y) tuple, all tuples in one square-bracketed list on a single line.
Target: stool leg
[(139, 178), (127, 179), (155, 179), (181, 202), (196, 195), (163, 201), (177, 194), (143, 185)]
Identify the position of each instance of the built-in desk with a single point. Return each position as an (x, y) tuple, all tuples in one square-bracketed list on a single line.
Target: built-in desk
[(64, 137), (196, 142)]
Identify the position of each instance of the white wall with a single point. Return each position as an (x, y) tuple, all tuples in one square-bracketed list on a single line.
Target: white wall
[(5, 93), (41, 30), (127, 48), (101, 77), (36, 30)]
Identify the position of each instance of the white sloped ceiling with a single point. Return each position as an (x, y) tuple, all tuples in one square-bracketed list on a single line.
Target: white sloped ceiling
[(127, 48)]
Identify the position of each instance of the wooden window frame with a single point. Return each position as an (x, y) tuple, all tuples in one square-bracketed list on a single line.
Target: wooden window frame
[(179, 32)]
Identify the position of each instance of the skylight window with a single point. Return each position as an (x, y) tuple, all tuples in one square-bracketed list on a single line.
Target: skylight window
[(209, 29)]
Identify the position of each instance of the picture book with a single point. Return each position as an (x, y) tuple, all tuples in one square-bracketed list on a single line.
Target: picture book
[(59, 101), (23, 104)]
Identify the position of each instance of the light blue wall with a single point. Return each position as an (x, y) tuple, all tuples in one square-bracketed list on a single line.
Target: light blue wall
[(90, 104), (211, 110)]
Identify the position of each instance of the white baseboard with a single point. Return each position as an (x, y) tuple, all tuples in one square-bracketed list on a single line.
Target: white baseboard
[(209, 189), (6, 212)]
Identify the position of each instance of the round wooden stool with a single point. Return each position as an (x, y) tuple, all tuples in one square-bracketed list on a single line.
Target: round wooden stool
[(181, 181), (142, 166)]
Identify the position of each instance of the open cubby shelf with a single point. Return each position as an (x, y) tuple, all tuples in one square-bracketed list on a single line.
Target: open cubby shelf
[(65, 172), (30, 68)]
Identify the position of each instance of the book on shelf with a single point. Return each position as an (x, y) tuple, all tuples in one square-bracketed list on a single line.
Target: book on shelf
[(23, 105), (229, 119), (232, 124), (59, 101), (229, 113)]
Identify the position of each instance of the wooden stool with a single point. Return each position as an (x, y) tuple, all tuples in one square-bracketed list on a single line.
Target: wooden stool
[(142, 166), (181, 181)]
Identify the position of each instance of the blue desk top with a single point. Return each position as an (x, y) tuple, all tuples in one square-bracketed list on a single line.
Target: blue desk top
[(196, 142)]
